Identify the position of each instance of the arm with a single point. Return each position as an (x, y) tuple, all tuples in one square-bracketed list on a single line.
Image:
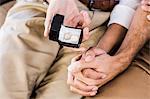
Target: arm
[(113, 36), (120, 20), (136, 37)]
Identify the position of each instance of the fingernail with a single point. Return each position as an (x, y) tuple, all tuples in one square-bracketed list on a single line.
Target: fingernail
[(148, 17), (93, 93), (95, 89)]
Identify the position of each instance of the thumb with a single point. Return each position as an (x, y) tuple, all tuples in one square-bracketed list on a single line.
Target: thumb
[(89, 55), (76, 58), (98, 51), (74, 63), (86, 19), (77, 66), (86, 34), (74, 67), (92, 53), (48, 20), (80, 49)]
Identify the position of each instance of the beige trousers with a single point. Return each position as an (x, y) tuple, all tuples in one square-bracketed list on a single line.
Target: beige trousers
[(32, 67)]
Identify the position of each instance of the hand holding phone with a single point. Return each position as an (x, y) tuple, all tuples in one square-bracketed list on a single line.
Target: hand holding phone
[(65, 36)]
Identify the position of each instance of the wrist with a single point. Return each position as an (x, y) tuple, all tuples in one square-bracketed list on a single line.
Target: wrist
[(112, 37), (120, 63), (124, 59), (103, 47)]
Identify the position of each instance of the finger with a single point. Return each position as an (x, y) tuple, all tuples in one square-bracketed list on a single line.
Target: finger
[(73, 67), (78, 21), (98, 51), (88, 81), (49, 16), (92, 53), (92, 74), (105, 80), (69, 19), (83, 19), (148, 17), (145, 2), (86, 34), (87, 20), (79, 85), (83, 93), (70, 78), (78, 66), (146, 8), (76, 58), (89, 56), (81, 49)]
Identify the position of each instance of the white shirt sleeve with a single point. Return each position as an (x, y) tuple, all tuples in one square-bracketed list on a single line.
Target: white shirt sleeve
[(123, 12)]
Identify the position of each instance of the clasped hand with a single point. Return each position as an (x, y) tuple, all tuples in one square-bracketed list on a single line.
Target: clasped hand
[(89, 71)]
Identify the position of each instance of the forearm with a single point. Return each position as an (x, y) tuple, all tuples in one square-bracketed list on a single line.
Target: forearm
[(136, 37), (113, 36)]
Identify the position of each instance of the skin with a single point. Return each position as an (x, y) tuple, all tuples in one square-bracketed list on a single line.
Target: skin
[(60, 7), (73, 17), (107, 65), (106, 43), (145, 7)]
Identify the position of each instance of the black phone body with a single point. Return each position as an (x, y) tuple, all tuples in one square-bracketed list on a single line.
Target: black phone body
[(64, 35)]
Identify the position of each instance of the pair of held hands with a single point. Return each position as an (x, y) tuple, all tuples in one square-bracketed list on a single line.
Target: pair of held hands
[(94, 68)]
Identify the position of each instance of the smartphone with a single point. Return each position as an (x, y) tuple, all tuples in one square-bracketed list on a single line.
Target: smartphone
[(64, 35)]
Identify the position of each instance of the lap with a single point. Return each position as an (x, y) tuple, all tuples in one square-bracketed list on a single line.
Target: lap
[(132, 83), (25, 55), (55, 82)]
